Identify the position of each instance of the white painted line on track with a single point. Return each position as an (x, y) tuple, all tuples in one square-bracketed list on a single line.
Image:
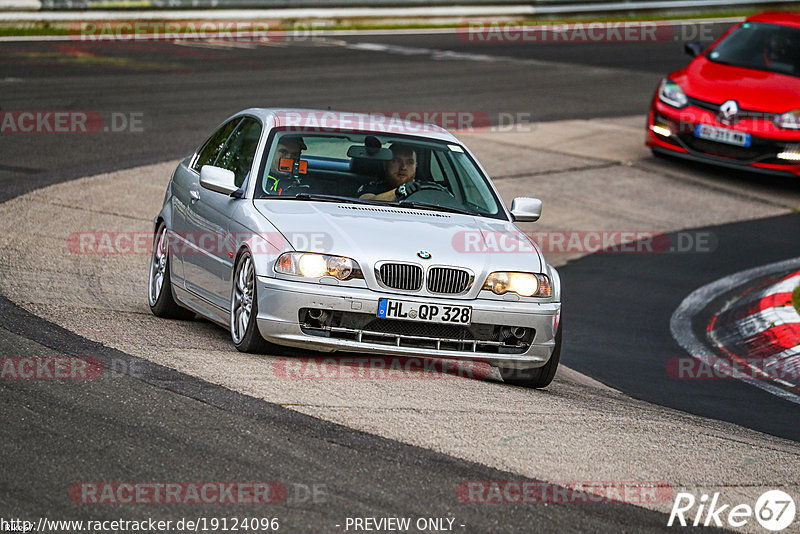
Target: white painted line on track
[(680, 323), (441, 54)]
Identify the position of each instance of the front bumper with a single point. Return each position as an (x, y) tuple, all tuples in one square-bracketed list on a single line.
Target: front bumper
[(279, 321), (762, 156)]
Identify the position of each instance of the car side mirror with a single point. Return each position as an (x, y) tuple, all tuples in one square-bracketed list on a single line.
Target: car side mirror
[(526, 209), (693, 48), (218, 179)]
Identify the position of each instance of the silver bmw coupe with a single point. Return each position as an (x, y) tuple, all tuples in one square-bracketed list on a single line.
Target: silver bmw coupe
[(338, 231)]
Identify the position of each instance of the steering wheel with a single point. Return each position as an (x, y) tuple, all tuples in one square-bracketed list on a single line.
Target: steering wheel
[(420, 187), (295, 188)]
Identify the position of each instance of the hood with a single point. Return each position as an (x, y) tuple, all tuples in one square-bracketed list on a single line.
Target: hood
[(753, 89), (370, 234)]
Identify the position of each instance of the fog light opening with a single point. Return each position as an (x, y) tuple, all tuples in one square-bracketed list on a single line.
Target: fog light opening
[(317, 317), (512, 334), (790, 153), (661, 130)]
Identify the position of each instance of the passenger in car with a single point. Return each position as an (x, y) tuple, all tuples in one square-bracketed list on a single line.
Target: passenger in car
[(399, 173)]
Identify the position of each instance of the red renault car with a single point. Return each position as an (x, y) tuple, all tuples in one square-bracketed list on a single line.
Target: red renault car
[(736, 104)]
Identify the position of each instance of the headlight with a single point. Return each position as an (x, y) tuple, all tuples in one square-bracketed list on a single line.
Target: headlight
[(523, 284), (313, 265), (671, 93), (789, 120)]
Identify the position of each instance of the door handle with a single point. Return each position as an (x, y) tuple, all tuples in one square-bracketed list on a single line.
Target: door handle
[(195, 195)]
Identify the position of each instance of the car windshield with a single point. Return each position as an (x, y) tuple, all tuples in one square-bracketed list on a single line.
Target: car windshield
[(761, 46), (368, 168)]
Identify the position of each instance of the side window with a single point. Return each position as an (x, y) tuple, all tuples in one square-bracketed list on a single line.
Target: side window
[(208, 154), (238, 154)]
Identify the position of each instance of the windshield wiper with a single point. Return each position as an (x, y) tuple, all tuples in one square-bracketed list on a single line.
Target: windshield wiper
[(435, 207), (351, 200), (323, 198)]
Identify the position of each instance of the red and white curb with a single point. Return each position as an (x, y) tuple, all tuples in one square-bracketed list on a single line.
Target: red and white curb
[(758, 324), (762, 324)]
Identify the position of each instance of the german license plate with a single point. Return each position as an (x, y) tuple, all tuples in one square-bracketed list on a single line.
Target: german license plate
[(423, 312), (722, 135)]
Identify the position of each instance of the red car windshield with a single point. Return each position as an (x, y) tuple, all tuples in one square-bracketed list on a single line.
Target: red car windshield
[(757, 45)]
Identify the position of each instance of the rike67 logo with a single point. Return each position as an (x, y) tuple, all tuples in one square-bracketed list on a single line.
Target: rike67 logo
[(774, 510)]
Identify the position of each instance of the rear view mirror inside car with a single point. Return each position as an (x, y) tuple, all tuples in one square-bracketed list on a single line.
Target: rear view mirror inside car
[(368, 152)]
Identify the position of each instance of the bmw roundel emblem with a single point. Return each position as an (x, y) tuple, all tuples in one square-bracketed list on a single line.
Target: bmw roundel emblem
[(424, 254)]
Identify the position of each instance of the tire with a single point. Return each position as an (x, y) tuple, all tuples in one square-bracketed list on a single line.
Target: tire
[(159, 284), (539, 377), (244, 309)]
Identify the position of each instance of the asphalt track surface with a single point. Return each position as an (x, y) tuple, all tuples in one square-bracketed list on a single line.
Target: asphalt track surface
[(169, 426)]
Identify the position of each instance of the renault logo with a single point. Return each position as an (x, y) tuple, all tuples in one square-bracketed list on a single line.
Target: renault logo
[(728, 111), (425, 255)]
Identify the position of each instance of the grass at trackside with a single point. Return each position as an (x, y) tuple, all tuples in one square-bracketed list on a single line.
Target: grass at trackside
[(20, 29), (796, 298), (31, 28)]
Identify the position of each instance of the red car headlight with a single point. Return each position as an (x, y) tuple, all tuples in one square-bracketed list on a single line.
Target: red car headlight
[(672, 94)]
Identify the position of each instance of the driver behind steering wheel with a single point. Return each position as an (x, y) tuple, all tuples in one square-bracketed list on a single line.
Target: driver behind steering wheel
[(399, 173)]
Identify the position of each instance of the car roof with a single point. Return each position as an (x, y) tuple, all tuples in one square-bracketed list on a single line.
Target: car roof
[(777, 17), (309, 120)]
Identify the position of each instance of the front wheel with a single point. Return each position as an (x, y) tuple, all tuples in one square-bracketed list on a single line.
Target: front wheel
[(244, 309), (540, 376)]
